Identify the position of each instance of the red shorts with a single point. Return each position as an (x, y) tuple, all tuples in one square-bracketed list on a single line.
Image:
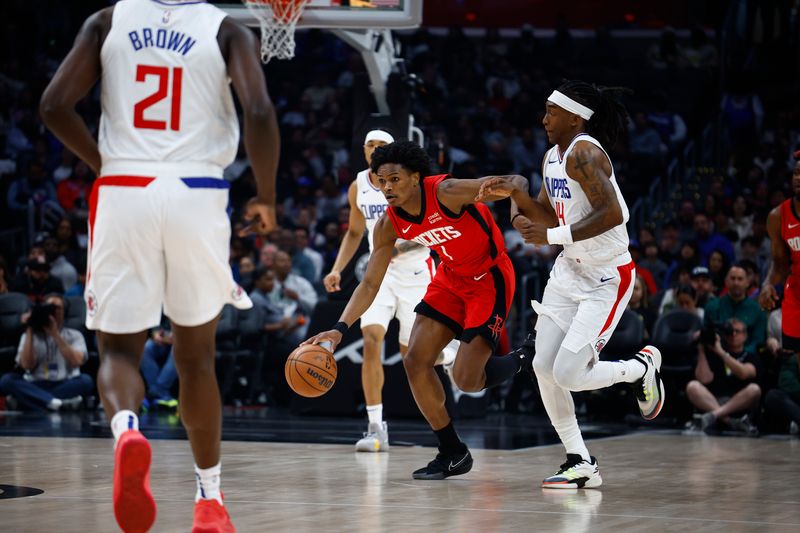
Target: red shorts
[(471, 305), (790, 316)]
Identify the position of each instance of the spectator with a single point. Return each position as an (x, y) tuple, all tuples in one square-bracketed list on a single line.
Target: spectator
[(708, 240), (700, 53), (665, 54), (686, 299), (687, 259), (700, 280), (640, 304), (68, 243), (35, 280), (59, 266), (302, 264), (736, 304), (51, 356), (266, 256), (783, 402), (718, 266), (741, 220), (246, 268), (73, 192), (725, 380), (158, 369), (31, 187), (283, 327), (301, 240), (669, 245), (292, 293), (651, 262)]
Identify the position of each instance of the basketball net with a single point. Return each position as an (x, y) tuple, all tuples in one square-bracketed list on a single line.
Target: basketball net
[(278, 20)]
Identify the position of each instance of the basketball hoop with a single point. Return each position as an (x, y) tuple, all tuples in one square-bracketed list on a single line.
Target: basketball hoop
[(278, 19)]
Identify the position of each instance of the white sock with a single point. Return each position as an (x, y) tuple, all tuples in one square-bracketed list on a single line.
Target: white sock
[(122, 422), (208, 481), (570, 434), (375, 413), (629, 371), (54, 404)]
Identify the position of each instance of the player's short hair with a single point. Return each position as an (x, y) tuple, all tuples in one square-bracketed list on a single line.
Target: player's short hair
[(408, 154)]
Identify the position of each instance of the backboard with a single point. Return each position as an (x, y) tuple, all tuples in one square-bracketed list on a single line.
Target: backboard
[(344, 14)]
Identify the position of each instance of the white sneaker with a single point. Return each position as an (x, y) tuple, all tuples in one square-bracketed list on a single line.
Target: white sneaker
[(650, 389), (376, 439), (576, 473)]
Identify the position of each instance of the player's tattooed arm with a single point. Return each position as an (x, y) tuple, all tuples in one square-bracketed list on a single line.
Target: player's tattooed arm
[(588, 165), (403, 246)]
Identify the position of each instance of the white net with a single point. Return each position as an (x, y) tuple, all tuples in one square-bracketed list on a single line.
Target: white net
[(278, 20)]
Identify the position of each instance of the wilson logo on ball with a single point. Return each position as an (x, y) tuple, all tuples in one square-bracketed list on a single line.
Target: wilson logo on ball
[(322, 380)]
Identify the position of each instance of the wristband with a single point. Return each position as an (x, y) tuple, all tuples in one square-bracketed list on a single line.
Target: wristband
[(515, 216), (341, 327), (559, 235)]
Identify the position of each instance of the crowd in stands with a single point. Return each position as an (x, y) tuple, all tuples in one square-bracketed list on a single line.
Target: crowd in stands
[(480, 101)]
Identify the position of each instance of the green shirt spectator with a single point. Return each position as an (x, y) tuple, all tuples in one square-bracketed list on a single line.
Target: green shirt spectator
[(736, 304)]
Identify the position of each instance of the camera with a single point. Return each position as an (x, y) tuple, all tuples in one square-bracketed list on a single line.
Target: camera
[(708, 335), (40, 315)]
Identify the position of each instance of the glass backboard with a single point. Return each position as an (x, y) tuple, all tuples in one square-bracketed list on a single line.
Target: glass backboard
[(344, 14)]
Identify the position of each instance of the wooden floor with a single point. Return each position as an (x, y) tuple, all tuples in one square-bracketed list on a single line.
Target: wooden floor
[(652, 482)]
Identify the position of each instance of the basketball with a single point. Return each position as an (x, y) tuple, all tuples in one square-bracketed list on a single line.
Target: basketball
[(310, 370)]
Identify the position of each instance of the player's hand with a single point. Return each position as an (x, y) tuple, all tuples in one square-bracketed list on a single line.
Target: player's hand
[(532, 233), (332, 281), (260, 217), (332, 336), (768, 297), (497, 187)]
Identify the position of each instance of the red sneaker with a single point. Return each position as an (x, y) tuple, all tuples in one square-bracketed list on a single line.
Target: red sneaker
[(211, 517), (134, 506)]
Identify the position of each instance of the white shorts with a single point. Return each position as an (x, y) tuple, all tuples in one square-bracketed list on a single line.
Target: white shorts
[(159, 237), (587, 300), (401, 290)]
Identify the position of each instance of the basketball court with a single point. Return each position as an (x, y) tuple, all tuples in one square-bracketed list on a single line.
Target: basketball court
[(654, 480)]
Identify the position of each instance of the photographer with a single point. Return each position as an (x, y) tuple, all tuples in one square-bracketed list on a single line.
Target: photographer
[(725, 378), (51, 356)]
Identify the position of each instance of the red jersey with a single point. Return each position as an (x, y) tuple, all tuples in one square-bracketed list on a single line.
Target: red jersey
[(790, 232), (468, 243)]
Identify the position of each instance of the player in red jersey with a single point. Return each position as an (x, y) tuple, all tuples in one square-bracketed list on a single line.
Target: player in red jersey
[(783, 226), (469, 297)]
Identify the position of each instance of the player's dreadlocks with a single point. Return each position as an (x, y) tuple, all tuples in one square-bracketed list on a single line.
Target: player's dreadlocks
[(406, 153), (610, 119)]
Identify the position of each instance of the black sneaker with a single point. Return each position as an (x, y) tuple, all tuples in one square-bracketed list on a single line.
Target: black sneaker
[(445, 465), (525, 354)]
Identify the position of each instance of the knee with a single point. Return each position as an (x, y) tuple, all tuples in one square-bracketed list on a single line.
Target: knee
[(774, 397), (86, 382), (467, 381), (413, 362), (371, 336), (543, 368), (693, 387), (753, 391), (5, 381)]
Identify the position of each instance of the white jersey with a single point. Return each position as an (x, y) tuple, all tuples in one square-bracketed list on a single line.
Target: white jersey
[(165, 90), (571, 205), (373, 205)]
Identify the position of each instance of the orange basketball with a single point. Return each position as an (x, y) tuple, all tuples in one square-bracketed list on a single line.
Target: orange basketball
[(310, 370)]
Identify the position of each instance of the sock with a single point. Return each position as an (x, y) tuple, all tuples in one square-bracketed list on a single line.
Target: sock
[(449, 442), (375, 413), (629, 371), (499, 369), (570, 435), (123, 421), (54, 404), (208, 481)]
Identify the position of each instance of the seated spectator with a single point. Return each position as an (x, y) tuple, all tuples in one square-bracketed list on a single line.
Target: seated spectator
[(51, 356), (783, 402), (158, 369), (293, 293), (59, 266), (301, 240), (35, 281), (718, 267), (651, 262), (687, 259), (686, 299), (725, 379), (700, 280), (736, 304), (709, 240), (640, 304), (669, 297), (246, 268), (276, 322)]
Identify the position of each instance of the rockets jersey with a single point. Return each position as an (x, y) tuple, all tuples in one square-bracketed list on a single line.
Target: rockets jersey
[(468, 243), (165, 90), (373, 205), (571, 205), (790, 232)]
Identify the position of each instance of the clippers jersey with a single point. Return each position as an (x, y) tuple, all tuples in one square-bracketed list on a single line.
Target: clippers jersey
[(790, 232), (468, 243), (163, 74), (373, 205), (571, 205)]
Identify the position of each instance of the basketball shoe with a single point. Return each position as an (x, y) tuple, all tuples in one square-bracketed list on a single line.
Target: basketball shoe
[(650, 389), (376, 439), (446, 465), (576, 473), (134, 506), (211, 517)]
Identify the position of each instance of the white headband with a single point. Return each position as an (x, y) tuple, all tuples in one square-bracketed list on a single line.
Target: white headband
[(379, 135), (562, 100)]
